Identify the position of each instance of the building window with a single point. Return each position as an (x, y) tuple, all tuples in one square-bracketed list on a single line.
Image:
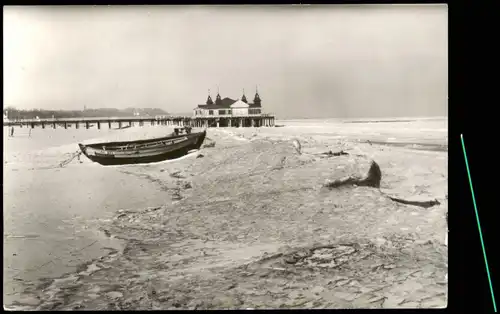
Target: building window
[(222, 112), (210, 112)]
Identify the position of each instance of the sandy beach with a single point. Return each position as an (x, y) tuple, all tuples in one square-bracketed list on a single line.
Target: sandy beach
[(246, 223)]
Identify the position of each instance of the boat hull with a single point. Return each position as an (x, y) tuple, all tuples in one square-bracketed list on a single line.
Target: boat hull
[(157, 150)]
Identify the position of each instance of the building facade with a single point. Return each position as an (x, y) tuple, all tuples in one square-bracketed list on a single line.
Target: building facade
[(228, 107)]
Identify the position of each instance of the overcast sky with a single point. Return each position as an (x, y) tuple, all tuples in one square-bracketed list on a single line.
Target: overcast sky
[(309, 61)]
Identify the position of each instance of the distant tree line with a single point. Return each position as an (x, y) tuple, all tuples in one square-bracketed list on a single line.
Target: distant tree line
[(16, 114)]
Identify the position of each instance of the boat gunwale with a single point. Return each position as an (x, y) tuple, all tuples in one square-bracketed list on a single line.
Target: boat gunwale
[(142, 146), (146, 141), (160, 149)]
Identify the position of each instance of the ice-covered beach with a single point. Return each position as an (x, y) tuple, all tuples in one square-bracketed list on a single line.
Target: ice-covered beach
[(244, 224)]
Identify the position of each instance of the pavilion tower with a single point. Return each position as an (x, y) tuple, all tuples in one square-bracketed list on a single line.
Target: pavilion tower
[(257, 101), (244, 98), (209, 99), (218, 99)]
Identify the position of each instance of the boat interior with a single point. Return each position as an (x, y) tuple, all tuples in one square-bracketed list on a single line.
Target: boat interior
[(141, 144)]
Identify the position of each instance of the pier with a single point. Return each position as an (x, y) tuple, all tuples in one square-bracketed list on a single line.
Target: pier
[(259, 120)]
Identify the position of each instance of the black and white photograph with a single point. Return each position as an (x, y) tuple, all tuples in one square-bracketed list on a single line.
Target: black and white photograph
[(208, 157)]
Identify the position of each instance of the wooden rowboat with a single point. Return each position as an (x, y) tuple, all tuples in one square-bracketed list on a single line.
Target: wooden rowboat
[(143, 151)]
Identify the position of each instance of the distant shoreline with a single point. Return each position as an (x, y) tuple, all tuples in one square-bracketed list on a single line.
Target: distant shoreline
[(368, 120), (379, 121)]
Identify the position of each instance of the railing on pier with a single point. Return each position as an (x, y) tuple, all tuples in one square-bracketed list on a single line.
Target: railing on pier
[(258, 115)]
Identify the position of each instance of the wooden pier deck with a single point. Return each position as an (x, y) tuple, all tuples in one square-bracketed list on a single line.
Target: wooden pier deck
[(262, 120)]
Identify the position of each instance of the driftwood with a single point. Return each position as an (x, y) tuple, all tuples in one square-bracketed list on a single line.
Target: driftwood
[(332, 154), (424, 204), (298, 149), (372, 179)]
